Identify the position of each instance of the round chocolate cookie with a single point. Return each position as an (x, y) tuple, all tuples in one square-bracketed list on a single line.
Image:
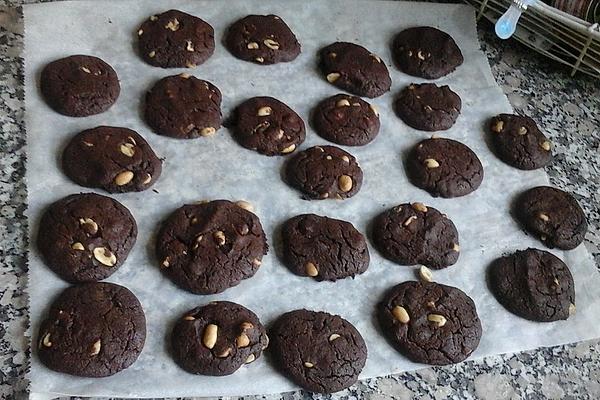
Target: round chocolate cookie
[(115, 159), (217, 339), (444, 167), (534, 284), (92, 330), (262, 39), (78, 86), (321, 352), (268, 126), (184, 107), (552, 215), (175, 39), (355, 69), (518, 142), (324, 248), (426, 52), (86, 237), (430, 323), (346, 120), (428, 107), (411, 234), (208, 247), (324, 172)]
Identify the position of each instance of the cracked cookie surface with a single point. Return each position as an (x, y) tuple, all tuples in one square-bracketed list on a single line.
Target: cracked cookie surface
[(86, 237), (430, 323), (209, 247), (428, 107), (92, 330), (217, 339), (324, 248), (321, 352)]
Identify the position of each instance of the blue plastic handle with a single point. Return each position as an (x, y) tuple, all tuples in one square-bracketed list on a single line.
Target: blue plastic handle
[(507, 23)]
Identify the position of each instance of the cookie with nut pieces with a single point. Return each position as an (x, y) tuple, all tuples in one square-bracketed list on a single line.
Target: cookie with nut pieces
[(79, 85), (355, 69), (262, 39), (175, 39), (112, 158), (518, 142), (323, 248), (183, 107), (444, 167), (533, 284), (428, 107), (267, 126), (553, 215), (217, 339), (208, 247), (92, 330), (411, 234), (324, 172), (346, 120), (429, 322), (321, 352), (426, 52), (86, 237)]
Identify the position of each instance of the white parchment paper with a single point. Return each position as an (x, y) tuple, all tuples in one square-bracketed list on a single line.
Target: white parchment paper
[(217, 167)]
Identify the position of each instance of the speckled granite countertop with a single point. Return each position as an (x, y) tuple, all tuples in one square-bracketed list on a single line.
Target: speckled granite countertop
[(567, 110)]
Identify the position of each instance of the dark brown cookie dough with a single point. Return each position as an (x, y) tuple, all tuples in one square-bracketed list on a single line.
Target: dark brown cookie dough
[(78, 86), (321, 352), (346, 120), (92, 330), (533, 284), (428, 107), (217, 339), (411, 234), (355, 69), (175, 39), (268, 126), (554, 216), (262, 39), (115, 159), (430, 323), (324, 248), (426, 52), (86, 237), (324, 172), (444, 167), (518, 142), (184, 107), (208, 247)]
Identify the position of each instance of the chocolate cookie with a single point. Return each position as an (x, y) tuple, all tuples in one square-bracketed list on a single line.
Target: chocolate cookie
[(184, 107), (411, 234), (426, 52), (175, 39), (533, 284), (86, 237), (552, 215), (346, 120), (115, 159), (355, 69), (217, 339), (323, 172), (268, 126), (518, 142), (430, 323), (208, 247), (92, 330), (262, 39), (428, 107), (444, 167), (78, 86), (324, 248), (321, 352)]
